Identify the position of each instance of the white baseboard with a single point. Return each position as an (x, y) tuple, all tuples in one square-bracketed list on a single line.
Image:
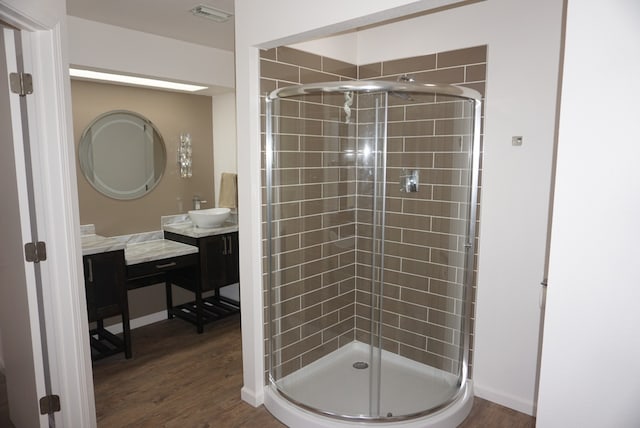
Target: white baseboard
[(251, 397), (231, 291), (515, 403), (139, 322)]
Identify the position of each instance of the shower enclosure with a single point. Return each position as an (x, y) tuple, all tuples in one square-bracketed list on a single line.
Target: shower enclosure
[(370, 196)]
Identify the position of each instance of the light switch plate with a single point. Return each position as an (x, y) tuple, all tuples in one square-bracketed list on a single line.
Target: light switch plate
[(516, 140)]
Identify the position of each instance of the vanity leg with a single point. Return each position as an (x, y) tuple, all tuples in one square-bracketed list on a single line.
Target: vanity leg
[(126, 327), (169, 300), (126, 335), (199, 317)]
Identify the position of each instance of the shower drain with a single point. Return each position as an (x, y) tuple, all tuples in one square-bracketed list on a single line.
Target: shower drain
[(360, 365)]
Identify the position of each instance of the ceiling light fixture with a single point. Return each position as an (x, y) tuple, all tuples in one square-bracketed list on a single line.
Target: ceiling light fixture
[(211, 13), (133, 80)]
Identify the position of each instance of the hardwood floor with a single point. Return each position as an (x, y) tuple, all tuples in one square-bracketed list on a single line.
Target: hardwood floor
[(178, 378), (485, 414)]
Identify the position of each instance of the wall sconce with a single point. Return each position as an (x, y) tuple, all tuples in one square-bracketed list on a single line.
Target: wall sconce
[(184, 155)]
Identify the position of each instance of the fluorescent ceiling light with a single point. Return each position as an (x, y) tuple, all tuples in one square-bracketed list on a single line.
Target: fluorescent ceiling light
[(211, 13), (133, 80)]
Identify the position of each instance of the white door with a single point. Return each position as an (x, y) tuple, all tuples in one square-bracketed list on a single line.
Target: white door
[(20, 323)]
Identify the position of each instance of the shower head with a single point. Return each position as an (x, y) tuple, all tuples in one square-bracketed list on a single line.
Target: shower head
[(404, 78)]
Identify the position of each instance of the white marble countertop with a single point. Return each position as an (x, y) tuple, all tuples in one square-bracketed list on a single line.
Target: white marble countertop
[(93, 244), (189, 229), (138, 248), (159, 249)]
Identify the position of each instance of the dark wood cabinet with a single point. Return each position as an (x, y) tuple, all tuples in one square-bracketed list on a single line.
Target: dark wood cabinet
[(219, 260), (218, 267), (106, 293)]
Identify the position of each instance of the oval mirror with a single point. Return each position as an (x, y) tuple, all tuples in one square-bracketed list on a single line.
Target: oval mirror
[(122, 154)]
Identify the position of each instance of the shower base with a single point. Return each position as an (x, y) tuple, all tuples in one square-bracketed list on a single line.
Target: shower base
[(333, 385)]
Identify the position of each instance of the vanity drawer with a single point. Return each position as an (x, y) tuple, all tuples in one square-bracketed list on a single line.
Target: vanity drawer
[(156, 267)]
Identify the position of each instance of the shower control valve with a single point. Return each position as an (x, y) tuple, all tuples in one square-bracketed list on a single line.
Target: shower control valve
[(409, 180)]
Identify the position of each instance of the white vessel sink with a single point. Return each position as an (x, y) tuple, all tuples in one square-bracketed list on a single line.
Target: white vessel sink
[(209, 218)]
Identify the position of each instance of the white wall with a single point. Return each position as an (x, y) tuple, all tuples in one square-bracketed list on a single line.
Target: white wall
[(224, 155), (590, 374), (343, 47), (106, 47), (269, 24), (523, 55), (43, 13), (224, 139)]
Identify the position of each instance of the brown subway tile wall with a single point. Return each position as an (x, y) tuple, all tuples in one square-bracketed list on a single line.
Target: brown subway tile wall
[(324, 217), (442, 165), (341, 68), (464, 67), (474, 55), (314, 214), (409, 65), (298, 58), (370, 70)]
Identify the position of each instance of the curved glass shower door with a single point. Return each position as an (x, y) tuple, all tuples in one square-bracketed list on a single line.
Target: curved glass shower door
[(369, 250)]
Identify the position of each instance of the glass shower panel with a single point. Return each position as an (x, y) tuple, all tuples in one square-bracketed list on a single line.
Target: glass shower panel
[(425, 242), (372, 115), (370, 228), (321, 161)]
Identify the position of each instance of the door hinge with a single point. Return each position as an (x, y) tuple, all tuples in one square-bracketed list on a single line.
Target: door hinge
[(49, 404), (35, 251), (21, 83)]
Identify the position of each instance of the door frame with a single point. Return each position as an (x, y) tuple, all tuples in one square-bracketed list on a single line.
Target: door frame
[(56, 200)]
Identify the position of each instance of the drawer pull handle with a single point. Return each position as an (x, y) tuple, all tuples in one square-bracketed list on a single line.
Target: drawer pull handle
[(90, 262), (224, 240), (166, 265), (230, 245)]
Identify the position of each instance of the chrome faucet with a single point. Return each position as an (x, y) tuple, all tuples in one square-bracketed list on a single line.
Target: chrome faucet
[(197, 202)]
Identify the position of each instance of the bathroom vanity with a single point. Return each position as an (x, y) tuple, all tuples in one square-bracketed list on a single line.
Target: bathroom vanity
[(196, 259), (112, 266), (157, 262), (106, 294), (218, 267)]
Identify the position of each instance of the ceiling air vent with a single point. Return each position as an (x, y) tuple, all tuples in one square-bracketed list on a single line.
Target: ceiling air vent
[(211, 13)]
